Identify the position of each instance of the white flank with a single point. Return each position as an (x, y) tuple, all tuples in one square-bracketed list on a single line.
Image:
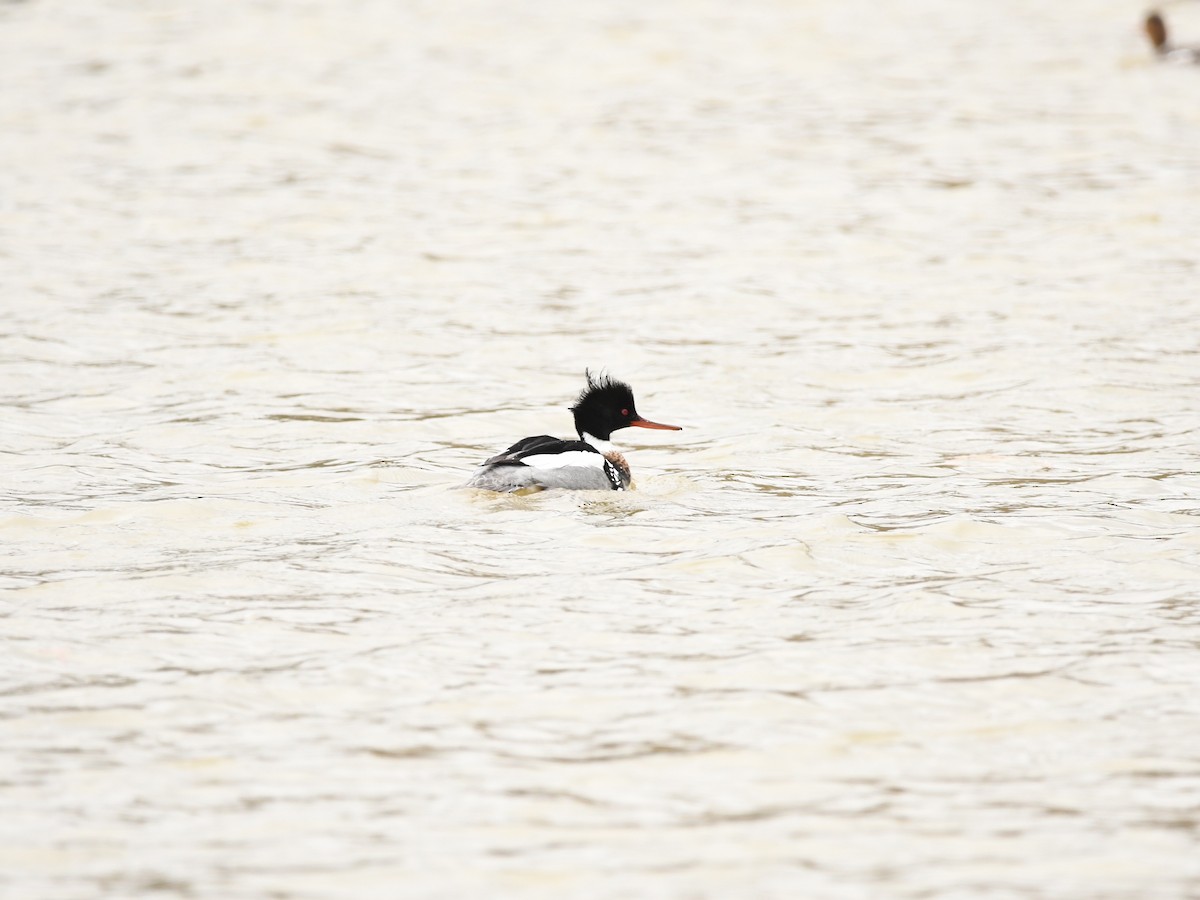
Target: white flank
[(563, 460)]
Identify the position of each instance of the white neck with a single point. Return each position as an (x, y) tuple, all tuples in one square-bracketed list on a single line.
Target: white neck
[(602, 446)]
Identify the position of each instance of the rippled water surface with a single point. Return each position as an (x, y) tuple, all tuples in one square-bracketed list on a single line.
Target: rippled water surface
[(910, 608)]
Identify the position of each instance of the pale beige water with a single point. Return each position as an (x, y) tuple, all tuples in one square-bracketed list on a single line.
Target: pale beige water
[(910, 609)]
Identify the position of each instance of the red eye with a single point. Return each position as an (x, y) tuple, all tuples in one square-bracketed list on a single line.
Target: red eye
[(624, 412)]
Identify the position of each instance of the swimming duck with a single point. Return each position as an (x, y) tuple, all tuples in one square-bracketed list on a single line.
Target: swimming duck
[(590, 463)]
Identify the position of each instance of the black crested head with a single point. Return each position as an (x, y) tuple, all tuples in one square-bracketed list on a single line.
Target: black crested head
[(603, 407)]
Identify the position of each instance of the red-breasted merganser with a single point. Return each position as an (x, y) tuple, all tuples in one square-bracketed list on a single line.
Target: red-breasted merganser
[(590, 463), (1156, 31)]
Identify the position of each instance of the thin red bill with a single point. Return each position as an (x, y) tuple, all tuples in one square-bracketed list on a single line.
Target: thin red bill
[(646, 423)]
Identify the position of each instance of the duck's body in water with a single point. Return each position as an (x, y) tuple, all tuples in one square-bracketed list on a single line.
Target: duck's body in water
[(1155, 27), (590, 463)]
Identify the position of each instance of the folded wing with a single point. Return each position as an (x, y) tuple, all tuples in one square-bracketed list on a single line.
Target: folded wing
[(548, 462)]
